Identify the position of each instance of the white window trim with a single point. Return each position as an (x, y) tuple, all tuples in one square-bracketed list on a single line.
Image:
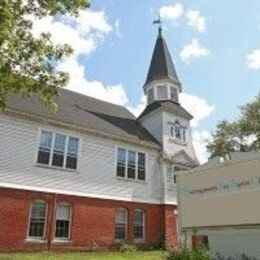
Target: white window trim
[(173, 138), (67, 135), (126, 225), (63, 239), (37, 239), (136, 164), (141, 240)]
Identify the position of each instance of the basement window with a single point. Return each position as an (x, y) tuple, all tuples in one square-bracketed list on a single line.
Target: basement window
[(63, 216), (121, 224), (37, 220), (139, 223)]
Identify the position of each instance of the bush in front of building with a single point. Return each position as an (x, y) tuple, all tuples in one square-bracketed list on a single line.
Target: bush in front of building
[(185, 253), (127, 247)]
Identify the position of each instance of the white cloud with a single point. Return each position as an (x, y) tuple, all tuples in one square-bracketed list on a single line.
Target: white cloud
[(193, 50), (79, 83), (200, 140), (83, 32), (198, 107), (171, 12), (253, 59), (137, 110), (196, 20)]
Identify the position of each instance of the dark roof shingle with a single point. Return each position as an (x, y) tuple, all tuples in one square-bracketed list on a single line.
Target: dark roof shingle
[(90, 113), (167, 106), (161, 66)]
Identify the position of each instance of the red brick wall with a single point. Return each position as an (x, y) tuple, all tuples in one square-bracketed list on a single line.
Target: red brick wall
[(92, 221)]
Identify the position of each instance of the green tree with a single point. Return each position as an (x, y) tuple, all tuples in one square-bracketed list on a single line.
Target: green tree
[(234, 136), (27, 64)]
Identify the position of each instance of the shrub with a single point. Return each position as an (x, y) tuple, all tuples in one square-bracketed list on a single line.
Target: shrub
[(186, 253), (126, 247)]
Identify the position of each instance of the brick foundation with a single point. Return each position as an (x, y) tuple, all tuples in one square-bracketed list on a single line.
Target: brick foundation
[(92, 222)]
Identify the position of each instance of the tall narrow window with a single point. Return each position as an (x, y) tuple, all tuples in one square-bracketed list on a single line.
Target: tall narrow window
[(59, 150), (45, 148), (37, 220), (139, 224), (121, 224), (177, 130), (141, 166), (72, 153), (131, 164), (63, 221), (121, 162)]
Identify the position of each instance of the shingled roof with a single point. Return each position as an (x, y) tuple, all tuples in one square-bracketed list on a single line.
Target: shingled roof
[(86, 112), (161, 65), (167, 106)]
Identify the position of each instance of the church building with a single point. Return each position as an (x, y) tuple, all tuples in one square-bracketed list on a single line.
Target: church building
[(93, 174)]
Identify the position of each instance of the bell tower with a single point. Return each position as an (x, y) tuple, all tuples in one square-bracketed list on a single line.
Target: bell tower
[(162, 82)]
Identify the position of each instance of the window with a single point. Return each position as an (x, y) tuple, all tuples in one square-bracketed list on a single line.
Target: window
[(150, 96), (162, 92), (139, 224), (63, 221), (37, 219), (72, 153), (58, 150), (45, 147), (176, 131), (121, 224), (121, 162), (141, 166), (131, 164)]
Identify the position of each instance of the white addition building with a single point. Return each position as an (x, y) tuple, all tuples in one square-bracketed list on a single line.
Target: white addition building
[(220, 201), (92, 172)]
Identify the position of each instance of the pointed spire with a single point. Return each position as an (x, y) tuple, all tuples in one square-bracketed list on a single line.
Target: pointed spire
[(161, 66)]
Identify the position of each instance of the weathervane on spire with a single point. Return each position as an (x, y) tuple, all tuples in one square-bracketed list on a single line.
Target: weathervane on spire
[(159, 22)]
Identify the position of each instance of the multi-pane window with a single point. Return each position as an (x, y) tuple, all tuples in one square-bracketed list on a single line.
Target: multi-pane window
[(139, 222), (121, 224), (58, 150), (131, 158), (131, 164), (63, 221), (141, 166), (176, 131), (121, 162), (45, 148), (37, 219)]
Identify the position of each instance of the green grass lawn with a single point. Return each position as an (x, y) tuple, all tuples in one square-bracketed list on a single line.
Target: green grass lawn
[(153, 255)]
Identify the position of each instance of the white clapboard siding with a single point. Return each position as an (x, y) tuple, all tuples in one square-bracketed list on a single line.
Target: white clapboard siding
[(95, 177)]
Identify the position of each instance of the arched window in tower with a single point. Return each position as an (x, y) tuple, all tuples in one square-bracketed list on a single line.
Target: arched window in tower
[(177, 130), (162, 92)]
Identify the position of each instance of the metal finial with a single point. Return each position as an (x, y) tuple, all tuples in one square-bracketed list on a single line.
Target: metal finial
[(159, 22)]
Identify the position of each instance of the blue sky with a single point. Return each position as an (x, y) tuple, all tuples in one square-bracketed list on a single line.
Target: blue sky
[(215, 47)]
